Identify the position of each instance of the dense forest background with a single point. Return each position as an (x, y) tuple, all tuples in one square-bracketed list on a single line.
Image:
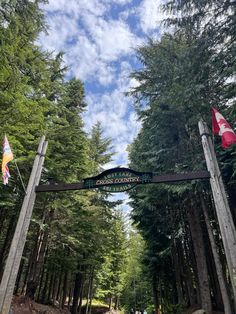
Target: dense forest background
[(80, 246)]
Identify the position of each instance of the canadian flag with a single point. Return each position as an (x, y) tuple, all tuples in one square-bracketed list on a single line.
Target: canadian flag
[(222, 128)]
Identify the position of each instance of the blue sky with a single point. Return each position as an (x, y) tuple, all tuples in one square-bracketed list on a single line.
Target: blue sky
[(99, 38)]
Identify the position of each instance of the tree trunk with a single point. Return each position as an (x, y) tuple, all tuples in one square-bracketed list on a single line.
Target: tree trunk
[(40, 284), (59, 286), (110, 302), (3, 215), (87, 297), (38, 264), (45, 288), (55, 288), (91, 289), (198, 244), (34, 254), (188, 263), (77, 287), (7, 243), (81, 297), (177, 273), (155, 293), (70, 297), (117, 303), (64, 289), (214, 283), (19, 276), (50, 288)]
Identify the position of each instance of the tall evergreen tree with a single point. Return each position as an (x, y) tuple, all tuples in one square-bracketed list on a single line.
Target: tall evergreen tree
[(172, 95), (100, 149)]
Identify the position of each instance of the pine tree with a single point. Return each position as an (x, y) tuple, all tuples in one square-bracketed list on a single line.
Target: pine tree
[(110, 277), (171, 97), (100, 149)]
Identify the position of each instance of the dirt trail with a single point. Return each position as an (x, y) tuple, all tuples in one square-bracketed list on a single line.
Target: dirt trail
[(23, 305)]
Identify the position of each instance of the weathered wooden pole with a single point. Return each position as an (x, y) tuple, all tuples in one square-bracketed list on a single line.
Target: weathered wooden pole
[(19, 238), (223, 212), (216, 256)]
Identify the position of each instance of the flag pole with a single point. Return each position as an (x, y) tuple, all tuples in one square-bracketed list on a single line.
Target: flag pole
[(223, 212), (21, 180), (17, 246)]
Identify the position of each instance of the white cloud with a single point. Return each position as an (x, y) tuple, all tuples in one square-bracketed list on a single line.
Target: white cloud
[(121, 2), (113, 38), (92, 42), (83, 58), (62, 30), (118, 119), (150, 14), (75, 8), (115, 112), (89, 39), (98, 48), (106, 75)]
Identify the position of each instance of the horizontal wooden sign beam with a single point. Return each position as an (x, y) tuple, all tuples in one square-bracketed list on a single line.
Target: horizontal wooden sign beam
[(196, 175), (168, 178)]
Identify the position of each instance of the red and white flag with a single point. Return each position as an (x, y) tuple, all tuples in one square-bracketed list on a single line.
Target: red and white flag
[(222, 128)]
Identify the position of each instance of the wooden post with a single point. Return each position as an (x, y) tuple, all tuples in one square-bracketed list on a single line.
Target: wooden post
[(223, 212), (19, 238), (219, 270)]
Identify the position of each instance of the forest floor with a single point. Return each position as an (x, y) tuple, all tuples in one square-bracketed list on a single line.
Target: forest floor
[(194, 310), (23, 305)]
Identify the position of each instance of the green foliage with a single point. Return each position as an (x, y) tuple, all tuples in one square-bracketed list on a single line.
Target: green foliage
[(173, 309), (70, 230), (182, 75), (99, 149), (110, 279), (136, 294)]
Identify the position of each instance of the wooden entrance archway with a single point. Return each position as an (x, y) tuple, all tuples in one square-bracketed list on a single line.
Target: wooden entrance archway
[(121, 179)]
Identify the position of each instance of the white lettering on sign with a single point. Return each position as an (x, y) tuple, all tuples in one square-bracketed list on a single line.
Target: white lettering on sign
[(117, 181)]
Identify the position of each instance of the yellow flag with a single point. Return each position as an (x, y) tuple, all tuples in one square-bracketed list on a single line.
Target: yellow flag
[(7, 156)]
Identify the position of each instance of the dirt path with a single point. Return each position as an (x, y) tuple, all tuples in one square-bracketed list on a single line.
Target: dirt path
[(23, 305)]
